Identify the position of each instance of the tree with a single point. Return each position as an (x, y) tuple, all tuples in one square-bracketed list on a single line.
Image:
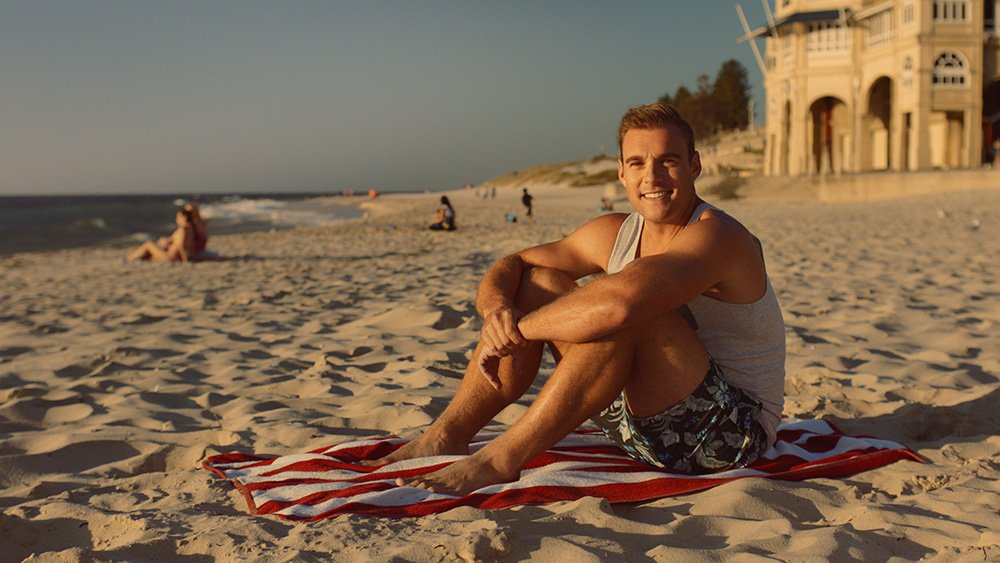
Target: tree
[(715, 106), (682, 99), (701, 114), (731, 95)]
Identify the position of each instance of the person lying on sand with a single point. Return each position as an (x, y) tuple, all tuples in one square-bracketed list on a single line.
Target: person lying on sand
[(179, 247), (677, 354)]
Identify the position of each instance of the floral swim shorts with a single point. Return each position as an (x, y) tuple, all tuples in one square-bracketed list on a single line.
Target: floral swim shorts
[(715, 428)]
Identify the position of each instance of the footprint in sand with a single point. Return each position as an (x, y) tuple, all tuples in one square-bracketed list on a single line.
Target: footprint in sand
[(240, 338), (183, 338), (359, 351), (77, 458), (48, 329), (808, 338), (73, 371), (66, 414), (24, 391), (304, 389), (143, 319), (58, 534), (926, 483), (257, 354), (212, 399), (48, 412), (887, 327), (373, 367), (14, 351), (886, 354), (851, 363), (450, 318)]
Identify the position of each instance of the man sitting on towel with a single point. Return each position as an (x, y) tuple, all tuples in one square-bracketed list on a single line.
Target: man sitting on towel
[(677, 354)]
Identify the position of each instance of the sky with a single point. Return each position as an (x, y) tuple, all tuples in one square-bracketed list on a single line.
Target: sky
[(185, 97)]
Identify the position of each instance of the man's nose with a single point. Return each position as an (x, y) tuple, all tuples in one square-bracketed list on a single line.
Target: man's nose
[(651, 173)]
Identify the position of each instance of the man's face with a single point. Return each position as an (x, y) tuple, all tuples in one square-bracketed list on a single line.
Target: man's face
[(658, 174)]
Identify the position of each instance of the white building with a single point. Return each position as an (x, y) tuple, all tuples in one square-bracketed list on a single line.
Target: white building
[(864, 85)]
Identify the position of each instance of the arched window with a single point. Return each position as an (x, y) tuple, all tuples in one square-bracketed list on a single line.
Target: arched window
[(950, 70)]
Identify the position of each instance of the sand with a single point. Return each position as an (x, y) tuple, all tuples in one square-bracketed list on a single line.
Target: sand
[(117, 379)]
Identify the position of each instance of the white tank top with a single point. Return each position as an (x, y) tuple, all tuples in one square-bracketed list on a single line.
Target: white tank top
[(746, 340)]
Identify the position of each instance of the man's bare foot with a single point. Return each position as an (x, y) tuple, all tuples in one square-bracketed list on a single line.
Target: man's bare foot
[(426, 445), (461, 478)]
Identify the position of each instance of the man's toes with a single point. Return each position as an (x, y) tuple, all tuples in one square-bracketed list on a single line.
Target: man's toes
[(416, 484)]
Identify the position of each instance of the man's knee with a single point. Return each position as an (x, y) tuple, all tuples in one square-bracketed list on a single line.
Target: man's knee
[(677, 325), (541, 286)]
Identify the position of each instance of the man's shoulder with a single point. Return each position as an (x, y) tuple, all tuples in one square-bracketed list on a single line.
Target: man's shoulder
[(604, 226), (720, 221), (721, 236), (596, 237)]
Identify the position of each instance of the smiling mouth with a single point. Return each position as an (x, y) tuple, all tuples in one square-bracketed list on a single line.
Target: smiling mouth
[(656, 195)]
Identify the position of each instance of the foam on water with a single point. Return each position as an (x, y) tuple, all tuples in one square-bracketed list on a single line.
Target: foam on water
[(311, 212), (30, 223)]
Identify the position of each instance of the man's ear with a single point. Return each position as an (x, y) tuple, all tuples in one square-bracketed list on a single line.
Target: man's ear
[(695, 165), (621, 173)]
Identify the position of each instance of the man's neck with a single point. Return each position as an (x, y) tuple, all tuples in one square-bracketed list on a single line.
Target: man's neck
[(656, 237)]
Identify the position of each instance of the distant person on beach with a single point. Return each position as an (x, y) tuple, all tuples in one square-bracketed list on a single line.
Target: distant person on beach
[(677, 353), (445, 218), (181, 246), (200, 232), (198, 226), (526, 201)]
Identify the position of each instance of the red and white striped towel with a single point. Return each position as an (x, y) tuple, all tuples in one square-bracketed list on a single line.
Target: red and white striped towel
[(324, 483)]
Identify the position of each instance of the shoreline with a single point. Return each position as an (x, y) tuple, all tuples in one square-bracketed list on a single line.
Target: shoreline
[(884, 186), (49, 223)]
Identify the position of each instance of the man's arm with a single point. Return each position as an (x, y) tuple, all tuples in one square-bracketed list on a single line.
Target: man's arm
[(701, 257), (583, 252)]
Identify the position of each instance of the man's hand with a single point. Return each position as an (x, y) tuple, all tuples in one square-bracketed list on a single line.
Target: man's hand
[(500, 337)]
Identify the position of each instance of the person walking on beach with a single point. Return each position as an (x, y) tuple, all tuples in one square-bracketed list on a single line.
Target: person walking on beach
[(526, 201), (677, 353)]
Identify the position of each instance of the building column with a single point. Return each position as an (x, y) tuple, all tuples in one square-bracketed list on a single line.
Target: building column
[(974, 137), (896, 144), (922, 115), (857, 123)]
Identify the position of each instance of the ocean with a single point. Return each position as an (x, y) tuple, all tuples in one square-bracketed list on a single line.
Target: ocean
[(40, 223)]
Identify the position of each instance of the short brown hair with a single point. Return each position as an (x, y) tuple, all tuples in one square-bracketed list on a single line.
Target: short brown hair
[(655, 116)]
